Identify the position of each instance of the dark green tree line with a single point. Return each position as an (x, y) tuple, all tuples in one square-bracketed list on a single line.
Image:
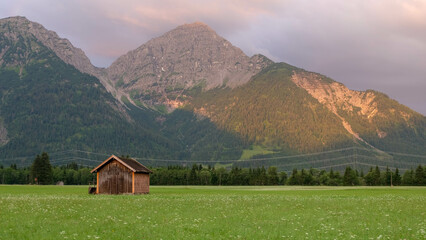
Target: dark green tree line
[(73, 174), (201, 175)]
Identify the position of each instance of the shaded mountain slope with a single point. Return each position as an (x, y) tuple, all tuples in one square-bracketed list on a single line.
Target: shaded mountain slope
[(48, 105)]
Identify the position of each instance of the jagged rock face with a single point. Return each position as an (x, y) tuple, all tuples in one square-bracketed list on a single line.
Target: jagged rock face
[(34, 35), (14, 26), (335, 95), (190, 55), (346, 103)]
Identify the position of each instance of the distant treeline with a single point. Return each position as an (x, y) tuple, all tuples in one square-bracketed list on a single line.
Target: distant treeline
[(199, 175), (72, 174)]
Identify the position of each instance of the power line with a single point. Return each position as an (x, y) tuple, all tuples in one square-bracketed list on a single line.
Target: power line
[(75, 158), (26, 157), (253, 159), (335, 165), (407, 154), (315, 161), (383, 167), (100, 154), (391, 153), (390, 160)]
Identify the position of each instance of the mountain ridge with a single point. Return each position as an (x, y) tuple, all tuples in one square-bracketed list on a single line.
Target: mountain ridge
[(189, 94), (62, 47), (187, 56), (369, 117), (47, 104)]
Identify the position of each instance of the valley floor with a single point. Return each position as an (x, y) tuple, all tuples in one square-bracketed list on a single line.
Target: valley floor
[(196, 212)]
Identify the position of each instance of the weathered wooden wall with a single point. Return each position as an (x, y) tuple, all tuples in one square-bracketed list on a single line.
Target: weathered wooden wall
[(115, 178), (141, 183)]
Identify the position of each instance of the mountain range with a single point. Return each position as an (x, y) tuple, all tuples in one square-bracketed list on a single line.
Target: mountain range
[(189, 95)]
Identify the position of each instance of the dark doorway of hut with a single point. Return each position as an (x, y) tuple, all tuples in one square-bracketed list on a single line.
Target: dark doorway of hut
[(92, 187)]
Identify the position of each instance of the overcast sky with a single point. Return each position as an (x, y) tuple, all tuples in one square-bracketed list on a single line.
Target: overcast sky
[(365, 44)]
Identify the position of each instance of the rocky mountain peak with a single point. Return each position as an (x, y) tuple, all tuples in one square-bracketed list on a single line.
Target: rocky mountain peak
[(188, 56), (13, 28), (195, 25), (195, 28), (62, 47)]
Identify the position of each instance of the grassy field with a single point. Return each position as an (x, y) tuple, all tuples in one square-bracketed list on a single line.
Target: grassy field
[(68, 212), (256, 150)]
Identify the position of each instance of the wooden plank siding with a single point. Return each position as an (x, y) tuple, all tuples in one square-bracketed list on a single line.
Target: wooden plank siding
[(97, 182), (133, 182), (115, 178), (121, 176), (141, 182)]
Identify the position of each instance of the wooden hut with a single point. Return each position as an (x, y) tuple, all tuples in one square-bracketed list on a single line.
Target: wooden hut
[(120, 176)]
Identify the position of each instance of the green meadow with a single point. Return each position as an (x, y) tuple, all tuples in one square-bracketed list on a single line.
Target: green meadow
[(190, 212)]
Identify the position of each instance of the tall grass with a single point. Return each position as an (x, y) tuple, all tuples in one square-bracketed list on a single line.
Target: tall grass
[(68, 212)]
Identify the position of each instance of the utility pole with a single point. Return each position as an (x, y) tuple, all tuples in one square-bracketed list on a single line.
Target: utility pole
[(391, 178)]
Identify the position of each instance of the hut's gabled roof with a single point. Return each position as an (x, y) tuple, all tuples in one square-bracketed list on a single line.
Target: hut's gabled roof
[(130, 163)]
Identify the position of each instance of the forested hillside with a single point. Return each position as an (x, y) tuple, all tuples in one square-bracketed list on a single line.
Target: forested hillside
[(46, 104), (273, 112), (395, 128), (200, 139)]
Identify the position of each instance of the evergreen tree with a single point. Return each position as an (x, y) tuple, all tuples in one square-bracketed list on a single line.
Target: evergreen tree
[(193, 179), (337, 180), (314, 173), (387, 177), (324, 178), (263, 179), (273, 178), (283, 178), (294, 178), (214, 178), (235, 176), (73, 165), (396, 178), (41, 170), (331, 174), (306, 178), (350, 178), (376, 177), (205, 177), (420, 176), (408, 178), (221, 175), (368, 178)]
